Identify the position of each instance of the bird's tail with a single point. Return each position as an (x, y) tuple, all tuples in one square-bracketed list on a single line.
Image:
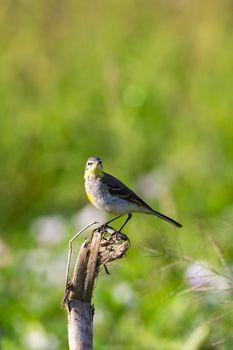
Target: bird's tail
[(166, 218)]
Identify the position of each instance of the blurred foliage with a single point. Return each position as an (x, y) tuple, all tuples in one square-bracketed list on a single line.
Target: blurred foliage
[(148, 87)]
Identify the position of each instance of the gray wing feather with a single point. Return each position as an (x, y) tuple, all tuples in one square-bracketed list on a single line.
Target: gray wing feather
[(117, 188)]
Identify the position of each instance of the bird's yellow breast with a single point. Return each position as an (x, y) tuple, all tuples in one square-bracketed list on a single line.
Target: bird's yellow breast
[(90, 198)]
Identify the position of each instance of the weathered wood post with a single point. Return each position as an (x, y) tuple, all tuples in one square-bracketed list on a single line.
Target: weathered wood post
[(97, 251)]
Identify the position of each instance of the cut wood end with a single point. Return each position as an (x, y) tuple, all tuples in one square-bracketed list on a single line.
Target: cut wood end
[(102, 248)]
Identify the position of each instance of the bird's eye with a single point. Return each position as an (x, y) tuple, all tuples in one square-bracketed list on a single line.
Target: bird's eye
[(89, 163)]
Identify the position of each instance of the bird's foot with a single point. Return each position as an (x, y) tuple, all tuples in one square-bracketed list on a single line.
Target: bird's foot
[(105, 228), (115, 235), (119, 236), (102, 227)]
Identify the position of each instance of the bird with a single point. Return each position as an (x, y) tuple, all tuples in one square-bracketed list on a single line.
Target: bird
[(109, 194)]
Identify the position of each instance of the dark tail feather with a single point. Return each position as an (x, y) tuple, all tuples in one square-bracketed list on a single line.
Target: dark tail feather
[(166, 218)]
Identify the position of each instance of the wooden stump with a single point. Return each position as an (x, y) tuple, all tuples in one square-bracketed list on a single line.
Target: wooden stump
[(102, 248)]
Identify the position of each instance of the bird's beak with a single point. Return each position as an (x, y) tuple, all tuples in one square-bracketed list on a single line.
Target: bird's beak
[(96, 169)]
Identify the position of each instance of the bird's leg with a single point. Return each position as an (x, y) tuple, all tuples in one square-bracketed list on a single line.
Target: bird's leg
[(108, 222), (117, 217), (118, 233), (128, 218)]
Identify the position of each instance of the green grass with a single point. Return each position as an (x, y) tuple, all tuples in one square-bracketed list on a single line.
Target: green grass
[(148, 87)]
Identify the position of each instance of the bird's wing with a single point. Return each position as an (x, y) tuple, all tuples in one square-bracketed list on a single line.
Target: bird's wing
[(117, 188)]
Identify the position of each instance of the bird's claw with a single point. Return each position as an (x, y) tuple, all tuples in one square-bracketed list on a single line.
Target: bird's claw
[(102, 228), (116, 235), (119, 236), (105, 228)]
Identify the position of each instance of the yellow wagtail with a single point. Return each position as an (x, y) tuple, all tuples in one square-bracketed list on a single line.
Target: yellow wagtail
[(108, 193)]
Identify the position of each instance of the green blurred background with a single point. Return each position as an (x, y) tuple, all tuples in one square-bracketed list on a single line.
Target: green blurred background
[(146, 85)]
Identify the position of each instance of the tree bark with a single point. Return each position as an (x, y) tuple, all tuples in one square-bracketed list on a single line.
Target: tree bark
[(80, 325), (94, 252)]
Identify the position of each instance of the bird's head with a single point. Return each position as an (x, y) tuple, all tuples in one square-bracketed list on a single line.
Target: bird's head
[(94, 167)]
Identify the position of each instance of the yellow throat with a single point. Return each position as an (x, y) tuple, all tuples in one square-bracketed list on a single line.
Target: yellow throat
[(94, 172)]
